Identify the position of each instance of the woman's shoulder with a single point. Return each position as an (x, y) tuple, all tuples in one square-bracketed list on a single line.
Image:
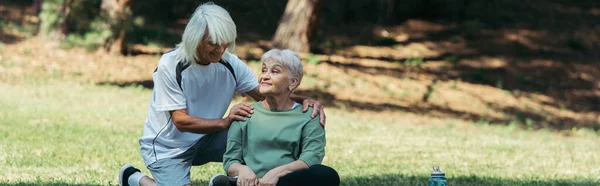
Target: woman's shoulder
[(305, 117), (240, 124)]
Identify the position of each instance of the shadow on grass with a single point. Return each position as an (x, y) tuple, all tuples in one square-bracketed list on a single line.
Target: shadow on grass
[(520, 116), (148, 84), (391, 179), (394, 180), (46, 184)]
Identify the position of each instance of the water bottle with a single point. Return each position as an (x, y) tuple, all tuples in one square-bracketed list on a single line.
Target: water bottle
[(438, 178)]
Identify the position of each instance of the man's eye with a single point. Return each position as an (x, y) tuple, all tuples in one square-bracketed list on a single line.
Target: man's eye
[(264, 70)]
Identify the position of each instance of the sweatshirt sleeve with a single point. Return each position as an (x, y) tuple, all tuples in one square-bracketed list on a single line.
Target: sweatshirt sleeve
[(313, 142), (233, 153)]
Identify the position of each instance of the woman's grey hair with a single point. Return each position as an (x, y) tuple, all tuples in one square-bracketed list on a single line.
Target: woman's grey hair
[(290, 59), (207, 17)]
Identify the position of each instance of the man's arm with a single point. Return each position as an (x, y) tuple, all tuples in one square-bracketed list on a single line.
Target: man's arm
[(254, 93), (299, 98), (186, 123), (306, 102)]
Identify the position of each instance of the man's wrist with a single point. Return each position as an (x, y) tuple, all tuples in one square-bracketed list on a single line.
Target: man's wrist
[(225, 123)]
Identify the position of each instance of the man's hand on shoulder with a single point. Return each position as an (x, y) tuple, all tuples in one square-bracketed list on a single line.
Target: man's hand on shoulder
[(239, 112), (317, 109)]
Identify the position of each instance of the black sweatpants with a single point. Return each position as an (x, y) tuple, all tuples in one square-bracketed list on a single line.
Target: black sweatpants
[(317, 175)]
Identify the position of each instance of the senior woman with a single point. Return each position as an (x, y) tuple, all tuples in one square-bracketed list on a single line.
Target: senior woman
[(279, 144)]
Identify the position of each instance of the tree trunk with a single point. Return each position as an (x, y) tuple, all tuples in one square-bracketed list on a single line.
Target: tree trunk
[(119, 16), (37, 6), (297, 25), (53, 18), (65, 10)]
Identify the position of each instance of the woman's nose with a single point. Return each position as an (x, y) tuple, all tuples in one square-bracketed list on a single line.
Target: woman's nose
[(264, 75)]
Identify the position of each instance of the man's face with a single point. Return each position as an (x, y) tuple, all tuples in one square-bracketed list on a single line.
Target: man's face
[(208, 52)]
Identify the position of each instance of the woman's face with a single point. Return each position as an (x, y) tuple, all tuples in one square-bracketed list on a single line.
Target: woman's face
[(274, 79), (208, 52)]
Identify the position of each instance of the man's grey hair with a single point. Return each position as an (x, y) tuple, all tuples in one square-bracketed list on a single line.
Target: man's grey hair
[(290, 59), (207, 17)]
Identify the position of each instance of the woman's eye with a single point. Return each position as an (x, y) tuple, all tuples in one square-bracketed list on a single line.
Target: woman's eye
[(264, 70)]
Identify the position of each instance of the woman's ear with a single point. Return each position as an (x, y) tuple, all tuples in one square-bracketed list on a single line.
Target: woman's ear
[(294, 83)]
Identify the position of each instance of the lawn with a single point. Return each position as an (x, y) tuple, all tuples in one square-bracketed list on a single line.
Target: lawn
[(57, 132)]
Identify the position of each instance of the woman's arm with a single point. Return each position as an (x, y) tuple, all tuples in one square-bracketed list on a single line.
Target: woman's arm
[(285, 169), (233, 158), (235, 169), (245, 175), (294, 166), (313, 143), (233, 153), (272, 177)]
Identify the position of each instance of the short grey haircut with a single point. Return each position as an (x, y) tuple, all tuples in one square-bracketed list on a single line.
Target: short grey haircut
[(207, 17), (290, 59)]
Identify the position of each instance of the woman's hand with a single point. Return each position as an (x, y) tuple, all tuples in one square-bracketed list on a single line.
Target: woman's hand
[(272, 177), (318, 108), (246, 177)]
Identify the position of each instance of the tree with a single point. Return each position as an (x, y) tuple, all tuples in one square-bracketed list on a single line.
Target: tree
[(36, 6), (118, 16), (53, 18), (297, 25)]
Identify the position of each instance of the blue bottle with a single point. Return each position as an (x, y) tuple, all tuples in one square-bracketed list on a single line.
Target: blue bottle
[(438, 178)]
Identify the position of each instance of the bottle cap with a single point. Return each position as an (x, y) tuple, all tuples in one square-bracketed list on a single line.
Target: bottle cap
[(437, 172)]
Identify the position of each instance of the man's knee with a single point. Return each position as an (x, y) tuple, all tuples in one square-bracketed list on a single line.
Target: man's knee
[(147, 181), (212, 149)]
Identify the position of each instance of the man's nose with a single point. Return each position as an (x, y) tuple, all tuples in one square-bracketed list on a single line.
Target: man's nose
[(221, 48)]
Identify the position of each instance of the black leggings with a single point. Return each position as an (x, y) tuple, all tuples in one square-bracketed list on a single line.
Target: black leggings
[(317, 175)]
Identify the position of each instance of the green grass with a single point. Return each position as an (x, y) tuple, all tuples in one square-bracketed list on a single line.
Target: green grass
[(67, 133)]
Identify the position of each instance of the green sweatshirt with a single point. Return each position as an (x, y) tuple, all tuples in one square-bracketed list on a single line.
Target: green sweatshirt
[(270, 139)]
